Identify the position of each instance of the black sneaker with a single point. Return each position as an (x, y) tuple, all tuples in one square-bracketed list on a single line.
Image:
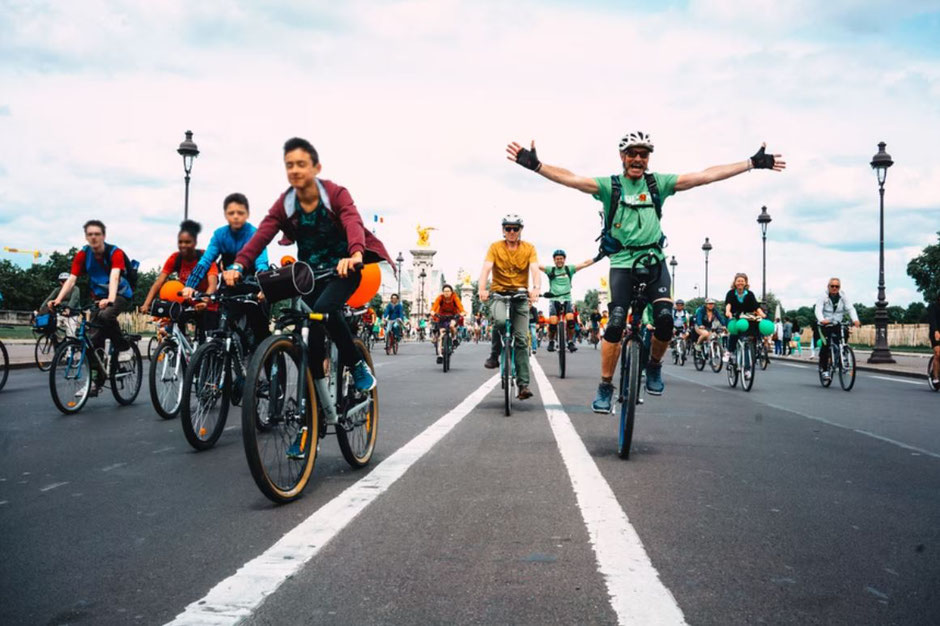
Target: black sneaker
[(440, 359), (491, 363), (551, 346)]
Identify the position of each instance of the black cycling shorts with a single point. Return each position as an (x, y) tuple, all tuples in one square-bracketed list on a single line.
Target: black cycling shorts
[(621, 287)]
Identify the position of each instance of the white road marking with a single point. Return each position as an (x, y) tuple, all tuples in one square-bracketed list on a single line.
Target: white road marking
[(52, 486), (112, 467), (802, 367), (234, 599), (814, 417), (2, 502), (161, 450), (895, 379), (637, 595)]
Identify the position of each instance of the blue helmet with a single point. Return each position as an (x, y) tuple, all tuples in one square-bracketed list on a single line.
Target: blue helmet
[(559, 253)]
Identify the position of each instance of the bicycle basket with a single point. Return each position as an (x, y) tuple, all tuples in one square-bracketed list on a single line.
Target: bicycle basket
[(167, 309), (286, 282), (43, 322)]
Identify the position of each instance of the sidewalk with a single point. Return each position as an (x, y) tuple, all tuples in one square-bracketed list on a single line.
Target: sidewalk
[(21, 352), (909, 364)]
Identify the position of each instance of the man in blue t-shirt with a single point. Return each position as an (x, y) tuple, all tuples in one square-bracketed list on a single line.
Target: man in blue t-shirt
[(394, 316)]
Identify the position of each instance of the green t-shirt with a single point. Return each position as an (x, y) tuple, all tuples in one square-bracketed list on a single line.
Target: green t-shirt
[(635, 222), (320, 243), (561, 283)]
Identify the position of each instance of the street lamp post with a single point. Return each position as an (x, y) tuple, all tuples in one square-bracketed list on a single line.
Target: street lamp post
[(881, 353), (764, 220), (673, 263), (422, 276), (188, 151), (706, 248), (399, 260)]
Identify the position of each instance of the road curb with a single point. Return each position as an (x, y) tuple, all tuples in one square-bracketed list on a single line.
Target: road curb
[(861, 368)]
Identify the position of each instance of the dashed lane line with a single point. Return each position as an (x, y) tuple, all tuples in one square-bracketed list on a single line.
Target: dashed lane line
[(236, 597), (897, 380), (52, 486), (637, 595)]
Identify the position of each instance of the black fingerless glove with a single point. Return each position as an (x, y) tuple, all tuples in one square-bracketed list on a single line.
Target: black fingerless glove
[(529, 160), (762, 161)]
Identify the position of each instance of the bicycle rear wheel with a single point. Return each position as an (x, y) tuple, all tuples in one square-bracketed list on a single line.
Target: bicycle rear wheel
[(699, 356), (165, 378), (4, 365), (357, 433), (44, 351), (206, 389), (629, 398), (847, 368), (70, 377), (749, 371), (764, 357), (279, 436), (127, 372), (562, 346), (732, 368)]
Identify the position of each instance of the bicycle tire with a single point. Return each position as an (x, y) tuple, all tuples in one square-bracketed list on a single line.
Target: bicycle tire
[(4, 365), (152, 343), (764, 357), (732, 368), (750, 367), (280, 478), (394, 346), (165, 379), (507, 377), (69, 363), (847, 374), (207, 383), (562, 347), (45, 349), (698, 358), (930, 382), (445, 350), (124, 373), (356, 443), (714, 357), (629, 401)]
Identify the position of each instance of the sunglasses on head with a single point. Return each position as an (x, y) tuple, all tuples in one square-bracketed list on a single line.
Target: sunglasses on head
[(631, 152), (512, 229)]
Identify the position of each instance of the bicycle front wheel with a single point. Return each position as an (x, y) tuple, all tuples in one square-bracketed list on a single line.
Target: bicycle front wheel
[(167, 369), (152, 344), (733, 370), (930, 378), (562, 347), (127, 372), (446, 348), (823, 379), (749, 370), (70, 377), (279, 431), (357, 429), (206, 391), (764, 358), (507, 377), (630, 399), (699, 356), (44, 351), (847, 368)]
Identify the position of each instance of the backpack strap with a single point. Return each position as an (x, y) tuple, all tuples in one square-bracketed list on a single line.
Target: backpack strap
[(568, 271), (654, 194), (178, 265), (615, 192)]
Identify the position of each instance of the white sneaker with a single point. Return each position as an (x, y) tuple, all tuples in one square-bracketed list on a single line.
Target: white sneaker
[(725, 357)]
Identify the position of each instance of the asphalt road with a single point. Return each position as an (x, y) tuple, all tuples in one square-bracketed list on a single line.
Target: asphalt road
[(791, 504)]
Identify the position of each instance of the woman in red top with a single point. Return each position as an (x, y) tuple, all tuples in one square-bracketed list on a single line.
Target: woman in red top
[(182, 263), (447, 308)]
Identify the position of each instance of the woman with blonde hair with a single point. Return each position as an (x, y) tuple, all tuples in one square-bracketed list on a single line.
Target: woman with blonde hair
[(739, 301)]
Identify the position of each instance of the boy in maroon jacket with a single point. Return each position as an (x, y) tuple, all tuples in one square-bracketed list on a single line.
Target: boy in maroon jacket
[(321, 217)]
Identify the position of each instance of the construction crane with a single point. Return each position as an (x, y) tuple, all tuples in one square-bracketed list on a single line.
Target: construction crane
[(35, 253)]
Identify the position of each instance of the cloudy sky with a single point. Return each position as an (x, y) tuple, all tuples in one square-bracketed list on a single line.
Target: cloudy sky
[(411, 104)]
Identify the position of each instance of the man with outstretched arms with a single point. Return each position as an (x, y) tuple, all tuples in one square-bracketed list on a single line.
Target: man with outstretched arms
[(831, 310), (559, 285), (512, 261), (105, 265), (635, 225)]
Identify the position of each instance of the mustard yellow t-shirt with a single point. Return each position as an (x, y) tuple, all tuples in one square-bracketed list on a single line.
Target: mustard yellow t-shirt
[(511, 267)]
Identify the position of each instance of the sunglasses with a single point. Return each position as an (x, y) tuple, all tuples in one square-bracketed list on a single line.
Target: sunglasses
[(834, 286), (643, 154), (512, 229)]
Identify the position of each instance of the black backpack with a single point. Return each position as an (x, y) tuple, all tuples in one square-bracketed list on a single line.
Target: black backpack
[(609, 244), (567, 271)]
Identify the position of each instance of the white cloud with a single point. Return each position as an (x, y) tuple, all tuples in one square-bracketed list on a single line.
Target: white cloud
[(411, 103)]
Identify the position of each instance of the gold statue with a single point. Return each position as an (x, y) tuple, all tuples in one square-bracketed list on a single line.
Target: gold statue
[(424, 237)]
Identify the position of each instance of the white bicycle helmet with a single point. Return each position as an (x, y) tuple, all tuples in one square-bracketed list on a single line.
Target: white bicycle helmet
[(64, 276), (636, 139), (512, 220)]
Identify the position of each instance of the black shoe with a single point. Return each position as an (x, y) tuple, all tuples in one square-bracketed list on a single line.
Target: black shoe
[(551, 346), (491, 363), (440, 359), (571, 347)]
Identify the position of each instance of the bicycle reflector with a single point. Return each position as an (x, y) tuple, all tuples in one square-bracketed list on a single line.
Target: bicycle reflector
[(287, 260)]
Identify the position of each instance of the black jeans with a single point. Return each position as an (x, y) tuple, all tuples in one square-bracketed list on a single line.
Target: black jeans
[(107, 318), (328, 297)]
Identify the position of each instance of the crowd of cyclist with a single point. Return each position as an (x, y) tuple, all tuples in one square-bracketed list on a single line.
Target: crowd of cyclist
[(321, 218)]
